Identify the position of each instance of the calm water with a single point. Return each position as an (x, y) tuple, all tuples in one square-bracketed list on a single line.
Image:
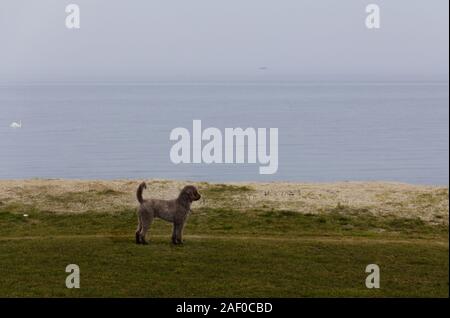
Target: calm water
[(327, 132)]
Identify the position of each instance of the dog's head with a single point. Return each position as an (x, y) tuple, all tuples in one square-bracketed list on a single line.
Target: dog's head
[(190, 193)]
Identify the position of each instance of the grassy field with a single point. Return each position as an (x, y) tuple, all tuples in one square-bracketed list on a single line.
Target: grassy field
[(242, 240)]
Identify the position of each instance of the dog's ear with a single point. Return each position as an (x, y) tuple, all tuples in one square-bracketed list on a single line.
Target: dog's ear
[(191, 194), (196, 194), (184, 194)]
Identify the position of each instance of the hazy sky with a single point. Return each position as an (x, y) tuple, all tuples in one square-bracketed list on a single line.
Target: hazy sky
[(193, 39)]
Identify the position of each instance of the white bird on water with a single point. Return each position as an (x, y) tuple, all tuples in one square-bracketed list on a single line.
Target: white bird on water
[(16, 125)]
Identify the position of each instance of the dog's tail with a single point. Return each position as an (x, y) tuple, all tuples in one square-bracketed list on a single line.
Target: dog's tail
[(141, 188)]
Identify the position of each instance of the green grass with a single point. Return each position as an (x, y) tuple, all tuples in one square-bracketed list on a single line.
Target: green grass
[(223, 192), (81, 197), (256, 253)]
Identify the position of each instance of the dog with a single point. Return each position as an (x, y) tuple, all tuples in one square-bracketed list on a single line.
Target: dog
[(175, 211)]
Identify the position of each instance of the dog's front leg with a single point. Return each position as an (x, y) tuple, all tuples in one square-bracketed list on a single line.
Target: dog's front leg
[(176, 235)]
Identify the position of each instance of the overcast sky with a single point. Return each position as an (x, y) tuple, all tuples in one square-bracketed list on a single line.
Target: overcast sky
[(138, 40)]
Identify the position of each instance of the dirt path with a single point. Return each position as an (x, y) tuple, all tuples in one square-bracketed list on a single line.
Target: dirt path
[(321, 239)]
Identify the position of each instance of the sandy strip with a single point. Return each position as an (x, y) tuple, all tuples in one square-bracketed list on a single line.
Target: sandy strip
[(428, 203)]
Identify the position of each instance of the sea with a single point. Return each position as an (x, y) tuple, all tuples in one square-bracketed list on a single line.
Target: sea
[(327, 131)]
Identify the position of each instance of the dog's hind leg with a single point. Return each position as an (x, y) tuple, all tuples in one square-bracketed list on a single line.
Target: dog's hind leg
[(138, 230), (145, 222)]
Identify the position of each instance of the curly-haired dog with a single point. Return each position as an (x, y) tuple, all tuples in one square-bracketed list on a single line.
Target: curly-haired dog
[(175, 211)]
